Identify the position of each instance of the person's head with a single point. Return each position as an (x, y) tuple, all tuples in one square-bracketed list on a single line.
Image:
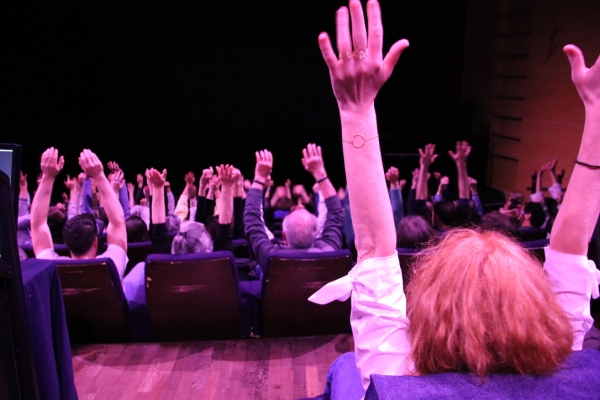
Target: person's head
[(136, 230), (413, 231), (192, 238), (478, 302), (80, 235), (172, 223), (515, 199), (534, 215), (496, 221), (300, 229), (444, 214), (467, 216)]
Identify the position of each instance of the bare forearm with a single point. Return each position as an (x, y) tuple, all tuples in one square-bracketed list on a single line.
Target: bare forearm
[(158, 205), (41, 202), (463, 180), (578, 214), (422, 182), (369, 202), (226, 210)]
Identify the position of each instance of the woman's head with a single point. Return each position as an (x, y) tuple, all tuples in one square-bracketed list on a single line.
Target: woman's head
[(413, 231), (479, 302), (136, 230), (192, 238)]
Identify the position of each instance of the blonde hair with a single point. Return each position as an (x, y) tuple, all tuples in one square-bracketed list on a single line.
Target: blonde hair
[(478, 302)]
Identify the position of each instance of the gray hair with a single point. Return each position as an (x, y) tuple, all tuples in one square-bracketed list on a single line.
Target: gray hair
[(172, 223), (300, 227), (192, 238)]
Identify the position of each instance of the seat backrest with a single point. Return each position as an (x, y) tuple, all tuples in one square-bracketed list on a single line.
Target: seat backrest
[(136, 253), (536, 248), (291, 278), (95, 305), (577, 378), (193, 296), (241, 248)]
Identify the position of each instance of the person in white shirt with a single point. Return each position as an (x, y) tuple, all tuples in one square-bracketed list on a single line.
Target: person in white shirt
[(79, 232), (477, 302)]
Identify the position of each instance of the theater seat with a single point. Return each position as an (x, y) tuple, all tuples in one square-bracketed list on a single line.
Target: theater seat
[(290, 279), (95, 305), (193, 296)]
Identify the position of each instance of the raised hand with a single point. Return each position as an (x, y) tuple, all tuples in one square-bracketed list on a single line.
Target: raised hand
[(155, 178), (207, 175), (444, 181), (392, 175), (71, 183), (113, 166), (360, 70), (312, 160), (51, 164), (140, 180), (463, 149), (264, 165), (22, 181), (130, 187), (228, 175), (90, 163), (586, 80), (427, 154), (117, 180), (189, 178)]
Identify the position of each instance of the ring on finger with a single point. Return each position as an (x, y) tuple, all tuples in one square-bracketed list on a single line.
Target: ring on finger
[(359, 54), (345, 55)]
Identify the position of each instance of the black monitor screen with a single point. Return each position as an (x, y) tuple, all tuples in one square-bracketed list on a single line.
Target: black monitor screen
[(10, 164)]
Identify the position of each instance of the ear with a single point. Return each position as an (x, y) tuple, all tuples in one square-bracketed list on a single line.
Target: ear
[(527, 217), (284, 238)]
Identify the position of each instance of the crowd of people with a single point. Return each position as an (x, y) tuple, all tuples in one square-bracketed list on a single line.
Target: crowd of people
[(473, 274)]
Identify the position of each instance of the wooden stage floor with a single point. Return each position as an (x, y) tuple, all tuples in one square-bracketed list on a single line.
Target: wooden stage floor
[(283, 368)]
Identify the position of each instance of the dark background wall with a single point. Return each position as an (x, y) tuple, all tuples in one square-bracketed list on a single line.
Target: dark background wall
[(184, 85)]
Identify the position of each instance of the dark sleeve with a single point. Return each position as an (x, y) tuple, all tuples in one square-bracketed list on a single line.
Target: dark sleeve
[(253, 226), (397, 205), (238, 218), (410, 202), (138, 194), (160, 239), (205, 209), (224, 238), (348, 227), (334, 223)]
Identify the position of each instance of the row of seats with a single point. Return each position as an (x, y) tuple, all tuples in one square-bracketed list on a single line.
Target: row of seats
[(200, 297)]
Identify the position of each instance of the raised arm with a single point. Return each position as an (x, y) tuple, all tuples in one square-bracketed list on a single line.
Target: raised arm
[(356, 77), (228, 175), (51, 164), (578, 215), (460, 157), (158, 194), (427, 158), (116, 232)]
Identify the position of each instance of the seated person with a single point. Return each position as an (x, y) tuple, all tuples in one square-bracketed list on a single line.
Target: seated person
[(80, 232), (300, 226), (472, 282)]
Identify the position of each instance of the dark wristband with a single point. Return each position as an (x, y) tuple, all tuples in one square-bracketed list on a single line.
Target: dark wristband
[(259, 182), (322, 179)]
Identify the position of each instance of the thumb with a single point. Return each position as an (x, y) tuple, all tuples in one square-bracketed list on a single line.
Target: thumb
[(576, 60), (391, 58)]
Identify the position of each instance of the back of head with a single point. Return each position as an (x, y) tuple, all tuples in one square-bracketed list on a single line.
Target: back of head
[(79, 234), (413, 231), (300, 228), (538, 216), (192, 238), (479, 303), (172, 223), (496, 221), (136, 230), (445, 211)]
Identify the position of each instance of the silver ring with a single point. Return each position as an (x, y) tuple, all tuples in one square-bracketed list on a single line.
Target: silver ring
[(359, 54), (345, 55)]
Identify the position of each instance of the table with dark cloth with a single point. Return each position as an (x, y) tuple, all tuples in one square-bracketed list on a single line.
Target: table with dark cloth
[(48, 330)]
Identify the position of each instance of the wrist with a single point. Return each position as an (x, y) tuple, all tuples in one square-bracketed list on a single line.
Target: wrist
[(320, 174), (349, 110)]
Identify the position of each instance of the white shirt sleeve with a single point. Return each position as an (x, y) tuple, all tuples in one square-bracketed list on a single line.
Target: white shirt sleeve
[(118, 255), (378, 317), (47, 254), (574, 280)]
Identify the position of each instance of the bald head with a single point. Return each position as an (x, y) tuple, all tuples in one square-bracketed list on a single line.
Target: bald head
[(300, 228)]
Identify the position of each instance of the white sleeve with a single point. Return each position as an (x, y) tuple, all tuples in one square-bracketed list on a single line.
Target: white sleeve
[(378, 317), (47, 254), (118, 255), (574, 280)]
